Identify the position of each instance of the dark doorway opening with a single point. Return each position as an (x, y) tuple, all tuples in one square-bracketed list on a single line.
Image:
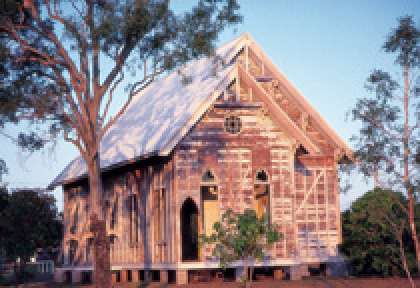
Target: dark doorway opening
[(189, 230)]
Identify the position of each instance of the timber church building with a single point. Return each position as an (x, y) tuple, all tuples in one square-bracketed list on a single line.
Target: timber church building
[(229, 131)]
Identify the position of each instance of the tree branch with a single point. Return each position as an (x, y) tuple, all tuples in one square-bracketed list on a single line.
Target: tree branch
[(119, 62), (49, 61), (76, 142), (79, 124), (379, 125), (14, 140), (77, 9), (51, 36), (78, 82), (95, 51), (26, 46), (111, 92)]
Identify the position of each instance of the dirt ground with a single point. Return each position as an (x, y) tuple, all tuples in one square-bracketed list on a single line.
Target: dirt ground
[(322, 283), (312, 283)]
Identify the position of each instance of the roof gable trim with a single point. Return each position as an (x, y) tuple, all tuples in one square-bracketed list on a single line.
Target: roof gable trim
[(277, 113), (321, 124)]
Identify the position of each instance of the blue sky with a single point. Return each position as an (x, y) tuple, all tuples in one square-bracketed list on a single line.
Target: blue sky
[(326, 48)]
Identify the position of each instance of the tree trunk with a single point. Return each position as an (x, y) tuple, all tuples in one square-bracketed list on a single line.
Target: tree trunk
[(95, 187), (376, 182), (404, 259), (251, 272), (245, 261), (413, 229), (102, 265), (408, 186)]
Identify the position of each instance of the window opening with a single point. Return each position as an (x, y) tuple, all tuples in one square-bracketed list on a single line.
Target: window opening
[(209, 202), (262, 195), (233, 124)]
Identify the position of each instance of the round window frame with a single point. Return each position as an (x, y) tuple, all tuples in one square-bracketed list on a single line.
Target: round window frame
[(230, 126)]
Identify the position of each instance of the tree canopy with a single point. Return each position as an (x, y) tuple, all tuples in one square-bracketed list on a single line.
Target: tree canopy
[(370, 241), (241, 236), (28, 220)]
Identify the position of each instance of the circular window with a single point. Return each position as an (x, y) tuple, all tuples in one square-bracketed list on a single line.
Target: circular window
[(233, 124)]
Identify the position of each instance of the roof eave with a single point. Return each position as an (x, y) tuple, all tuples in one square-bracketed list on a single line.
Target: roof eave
[(55, 183)]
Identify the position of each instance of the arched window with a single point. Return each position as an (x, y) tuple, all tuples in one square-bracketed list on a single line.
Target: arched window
[(89, 250), (262, 194), (159, 217), (209, 202), (112, 240), (208, 177), (159, 214), (73, 244), (189, 231), (75, 220), (114, 214), (133, 218), (261, 176), (133, 208)]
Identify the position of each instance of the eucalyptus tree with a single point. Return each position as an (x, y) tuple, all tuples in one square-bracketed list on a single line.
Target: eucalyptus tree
[(388, 144), (74, 55)]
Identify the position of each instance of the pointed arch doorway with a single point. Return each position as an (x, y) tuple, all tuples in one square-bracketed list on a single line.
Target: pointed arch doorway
[(189, 230)]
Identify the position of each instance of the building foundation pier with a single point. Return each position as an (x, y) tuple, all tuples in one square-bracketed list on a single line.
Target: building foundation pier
[(297, 272), (181, 277)]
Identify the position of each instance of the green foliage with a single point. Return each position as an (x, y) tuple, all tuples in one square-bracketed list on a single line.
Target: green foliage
[(370, 241), (240, 236), (28, 220), (405, 41)]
